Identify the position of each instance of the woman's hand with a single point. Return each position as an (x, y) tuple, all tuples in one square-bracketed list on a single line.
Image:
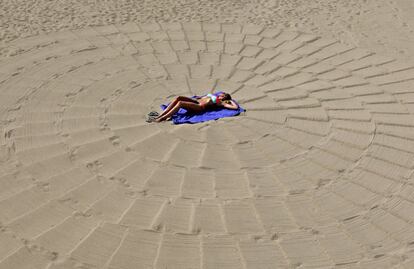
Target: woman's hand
[(230, 104)]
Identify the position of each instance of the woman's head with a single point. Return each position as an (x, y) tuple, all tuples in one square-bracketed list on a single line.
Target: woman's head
[(225, 96)]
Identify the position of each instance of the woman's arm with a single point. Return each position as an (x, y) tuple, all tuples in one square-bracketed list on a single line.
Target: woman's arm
[(230, 104)]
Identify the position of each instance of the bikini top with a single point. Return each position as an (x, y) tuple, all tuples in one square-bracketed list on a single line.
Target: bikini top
[(213, 98)]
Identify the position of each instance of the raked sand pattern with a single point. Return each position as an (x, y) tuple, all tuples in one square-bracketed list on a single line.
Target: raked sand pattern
[(318, 173)]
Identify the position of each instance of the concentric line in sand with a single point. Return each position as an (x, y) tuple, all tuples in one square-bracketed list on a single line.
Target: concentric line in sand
[(316, 174)]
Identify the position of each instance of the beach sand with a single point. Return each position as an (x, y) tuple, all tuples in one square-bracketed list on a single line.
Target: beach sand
[(318, 173), (385, 27)]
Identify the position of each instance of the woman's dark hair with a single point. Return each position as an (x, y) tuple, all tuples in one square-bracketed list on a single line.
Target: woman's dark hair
[(227, 97)]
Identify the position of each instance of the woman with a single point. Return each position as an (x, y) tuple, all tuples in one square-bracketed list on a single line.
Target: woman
[(197, 104)]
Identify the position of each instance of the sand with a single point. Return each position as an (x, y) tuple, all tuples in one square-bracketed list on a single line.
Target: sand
[(384, 27), (318, 173)]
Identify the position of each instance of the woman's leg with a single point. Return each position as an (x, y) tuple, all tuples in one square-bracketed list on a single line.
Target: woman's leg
[(181, 104), (186, 99), (174, 102), (169, 107)]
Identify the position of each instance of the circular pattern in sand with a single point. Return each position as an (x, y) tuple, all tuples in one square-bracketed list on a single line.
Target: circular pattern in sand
[(316, 174)]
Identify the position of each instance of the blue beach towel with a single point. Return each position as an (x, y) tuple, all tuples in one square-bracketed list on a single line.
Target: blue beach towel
[(184, 116)]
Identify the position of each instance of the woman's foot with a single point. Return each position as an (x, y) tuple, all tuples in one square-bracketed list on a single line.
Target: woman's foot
[(151, 118)]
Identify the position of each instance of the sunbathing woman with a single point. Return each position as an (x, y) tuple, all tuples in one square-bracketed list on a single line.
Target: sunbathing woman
[(197, 105)]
